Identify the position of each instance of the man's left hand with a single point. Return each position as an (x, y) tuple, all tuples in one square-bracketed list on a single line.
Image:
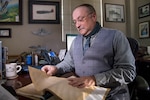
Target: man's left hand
[(81, 82)]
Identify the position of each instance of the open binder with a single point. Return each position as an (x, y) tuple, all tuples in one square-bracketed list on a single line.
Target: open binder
[(59, 86)]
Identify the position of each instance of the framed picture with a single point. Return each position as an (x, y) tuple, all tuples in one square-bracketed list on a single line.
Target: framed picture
[(114, 13), (11, 12), (144, 30), (44, 12), (5, 32), (144, 11)]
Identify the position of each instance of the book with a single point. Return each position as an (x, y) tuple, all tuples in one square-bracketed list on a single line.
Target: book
[(59, 87)]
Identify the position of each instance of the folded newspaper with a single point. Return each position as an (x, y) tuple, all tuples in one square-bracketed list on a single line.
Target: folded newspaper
[(59, 86)]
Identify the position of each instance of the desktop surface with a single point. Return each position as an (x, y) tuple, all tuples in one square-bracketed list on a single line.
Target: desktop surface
[(22, 80)]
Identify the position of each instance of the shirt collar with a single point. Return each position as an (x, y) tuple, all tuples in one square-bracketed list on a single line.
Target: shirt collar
[(95, 30)]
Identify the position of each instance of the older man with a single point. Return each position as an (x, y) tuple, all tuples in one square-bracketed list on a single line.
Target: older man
[(98, 56)]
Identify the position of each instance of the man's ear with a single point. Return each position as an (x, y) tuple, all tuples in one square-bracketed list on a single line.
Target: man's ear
[(94, 17)]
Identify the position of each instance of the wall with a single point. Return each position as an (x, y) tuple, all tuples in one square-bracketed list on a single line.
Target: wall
[(115, 25), (142, 41), (22, 37), (131, 14), (131, 25)]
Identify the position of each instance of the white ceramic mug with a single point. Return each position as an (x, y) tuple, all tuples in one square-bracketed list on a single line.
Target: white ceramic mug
[(12, 69)]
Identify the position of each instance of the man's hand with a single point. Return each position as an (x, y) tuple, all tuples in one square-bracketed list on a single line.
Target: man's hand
[(50, 70), (82, 82)]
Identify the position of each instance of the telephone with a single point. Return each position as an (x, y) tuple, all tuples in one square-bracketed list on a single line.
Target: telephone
[(50, 57)]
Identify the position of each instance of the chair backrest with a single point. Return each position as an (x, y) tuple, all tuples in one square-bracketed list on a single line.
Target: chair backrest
[(139, 83), (134, 45)]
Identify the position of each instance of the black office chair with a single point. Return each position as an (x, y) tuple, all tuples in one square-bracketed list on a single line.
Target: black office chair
[(139, 85)]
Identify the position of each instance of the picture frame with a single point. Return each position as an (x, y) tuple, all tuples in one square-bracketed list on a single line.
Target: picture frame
[(11, 12), (5, 32), (44, 12), (144, 11), (114, 13), (144, 29)]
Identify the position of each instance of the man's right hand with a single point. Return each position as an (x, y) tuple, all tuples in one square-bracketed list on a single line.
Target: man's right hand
[(49, 69)]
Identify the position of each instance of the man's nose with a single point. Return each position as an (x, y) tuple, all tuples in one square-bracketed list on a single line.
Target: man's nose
[(77, 25)]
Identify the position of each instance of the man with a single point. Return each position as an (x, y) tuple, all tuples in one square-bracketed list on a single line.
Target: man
[(108, 62)]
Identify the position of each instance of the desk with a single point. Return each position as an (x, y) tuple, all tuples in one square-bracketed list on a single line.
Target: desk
[(22, 80), (143, 68)]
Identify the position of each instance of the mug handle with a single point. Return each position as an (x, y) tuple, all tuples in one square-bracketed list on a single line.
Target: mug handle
[(18, 67)]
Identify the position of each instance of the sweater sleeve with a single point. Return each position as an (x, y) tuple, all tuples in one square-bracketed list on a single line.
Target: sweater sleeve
[(67, 65), (123, 70)]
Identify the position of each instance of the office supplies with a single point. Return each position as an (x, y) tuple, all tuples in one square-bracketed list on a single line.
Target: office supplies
[(62, 54), (25, 67), (50, 57), (29, 59)]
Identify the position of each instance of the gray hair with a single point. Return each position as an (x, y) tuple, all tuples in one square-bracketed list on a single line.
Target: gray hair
[(90, 8)]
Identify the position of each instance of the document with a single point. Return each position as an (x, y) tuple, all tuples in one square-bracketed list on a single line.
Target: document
[(59, 86)]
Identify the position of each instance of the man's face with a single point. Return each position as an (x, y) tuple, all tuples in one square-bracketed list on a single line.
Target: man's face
[(83, 20)]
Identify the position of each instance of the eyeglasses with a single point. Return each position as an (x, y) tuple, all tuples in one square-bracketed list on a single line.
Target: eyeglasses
[(80, 19)]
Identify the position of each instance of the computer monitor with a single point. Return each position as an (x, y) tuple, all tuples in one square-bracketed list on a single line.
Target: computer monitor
[(69, 39), (1, 60)]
